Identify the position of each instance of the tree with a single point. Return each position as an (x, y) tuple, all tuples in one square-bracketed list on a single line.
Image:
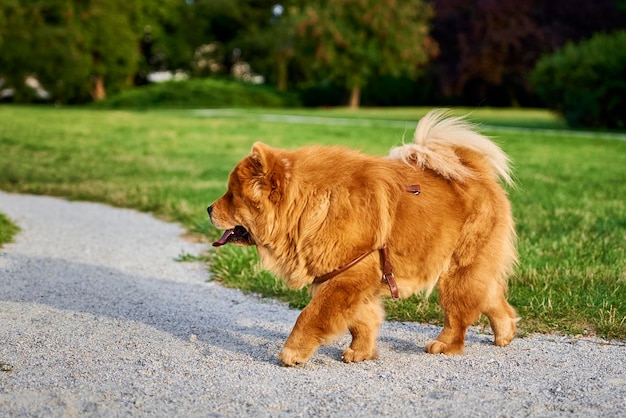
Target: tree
[(489, 40), (210, 28), (107, 37), (586, 81), (355, 40), (258, 32), (160, 31), (488, 47), (268, 42), (2, 23), (76, 50), (35, 44)]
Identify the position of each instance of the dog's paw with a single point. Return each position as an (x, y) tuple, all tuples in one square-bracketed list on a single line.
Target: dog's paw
[(438, 347), (505, 335), (435, 347), (504, 330), (290, 357), (352, 356), (503, 341)]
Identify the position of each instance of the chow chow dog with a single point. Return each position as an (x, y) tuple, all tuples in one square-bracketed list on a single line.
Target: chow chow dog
[(356, 227)]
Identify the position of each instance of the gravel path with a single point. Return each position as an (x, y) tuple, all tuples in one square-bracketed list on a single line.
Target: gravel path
[(98, 319)]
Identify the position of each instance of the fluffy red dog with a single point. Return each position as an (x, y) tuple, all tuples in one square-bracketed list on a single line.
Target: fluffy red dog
[(357, 227)]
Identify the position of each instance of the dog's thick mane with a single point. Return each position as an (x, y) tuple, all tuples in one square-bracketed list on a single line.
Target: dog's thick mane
[(436, 137)]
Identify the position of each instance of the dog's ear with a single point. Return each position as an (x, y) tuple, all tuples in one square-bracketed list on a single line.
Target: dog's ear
[(269, 170), (261, 157)]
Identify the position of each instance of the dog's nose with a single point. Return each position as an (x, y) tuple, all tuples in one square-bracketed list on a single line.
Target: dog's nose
[(210, 210)]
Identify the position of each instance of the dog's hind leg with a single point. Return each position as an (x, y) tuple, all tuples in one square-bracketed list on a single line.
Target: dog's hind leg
[(460, 296), (452, 339), (465, 293), (502, 318)]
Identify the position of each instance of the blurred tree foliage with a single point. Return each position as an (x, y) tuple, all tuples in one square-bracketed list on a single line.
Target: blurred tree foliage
[(74, 49), (2, 23), (472, 52), (489, 47), (586, 81), (161, 34), (358, 40)]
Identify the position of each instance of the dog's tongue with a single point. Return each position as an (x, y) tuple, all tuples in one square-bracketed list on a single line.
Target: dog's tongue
[(224, 240)]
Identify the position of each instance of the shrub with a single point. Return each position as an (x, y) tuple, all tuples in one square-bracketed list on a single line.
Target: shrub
[(199, 93), (586, 81)]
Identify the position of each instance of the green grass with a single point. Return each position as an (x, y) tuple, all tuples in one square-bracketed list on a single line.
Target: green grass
[(569, 204), (528, 118), (8, 230)]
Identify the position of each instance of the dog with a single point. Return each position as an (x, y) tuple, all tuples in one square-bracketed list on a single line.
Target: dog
[(356, 227)]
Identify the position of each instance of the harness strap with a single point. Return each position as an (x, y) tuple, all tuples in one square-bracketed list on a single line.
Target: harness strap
[(388, 276), (328, 276)]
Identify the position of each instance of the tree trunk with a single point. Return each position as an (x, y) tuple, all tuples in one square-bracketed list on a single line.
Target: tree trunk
[(282, 74), (98, 92), (355, 97)]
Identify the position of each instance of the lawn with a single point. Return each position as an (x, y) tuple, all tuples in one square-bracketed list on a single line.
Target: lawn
[(569, 202)]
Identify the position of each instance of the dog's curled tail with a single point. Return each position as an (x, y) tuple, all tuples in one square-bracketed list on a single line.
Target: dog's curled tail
[(437, 136)]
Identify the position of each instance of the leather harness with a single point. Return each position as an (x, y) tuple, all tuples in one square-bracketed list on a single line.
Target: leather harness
[(388, 276)]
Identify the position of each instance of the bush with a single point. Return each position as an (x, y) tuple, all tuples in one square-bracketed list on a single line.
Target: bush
[(199, 93), (586, 82)]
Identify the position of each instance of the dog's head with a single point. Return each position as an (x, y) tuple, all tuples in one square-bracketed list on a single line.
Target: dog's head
[(255, 188)]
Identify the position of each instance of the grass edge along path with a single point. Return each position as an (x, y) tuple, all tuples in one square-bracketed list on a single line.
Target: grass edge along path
[(8, 230)]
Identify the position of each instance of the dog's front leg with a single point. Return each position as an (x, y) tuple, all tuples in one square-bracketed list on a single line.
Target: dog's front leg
[(306, 336), (334, 309), (323, 319)]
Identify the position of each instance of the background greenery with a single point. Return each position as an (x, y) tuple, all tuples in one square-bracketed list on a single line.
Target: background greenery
[(586, 82), (387, 52), (199, 93), (569, 203)]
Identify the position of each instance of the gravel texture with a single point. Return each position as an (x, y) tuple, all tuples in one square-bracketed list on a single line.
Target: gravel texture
[(98, 319)]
